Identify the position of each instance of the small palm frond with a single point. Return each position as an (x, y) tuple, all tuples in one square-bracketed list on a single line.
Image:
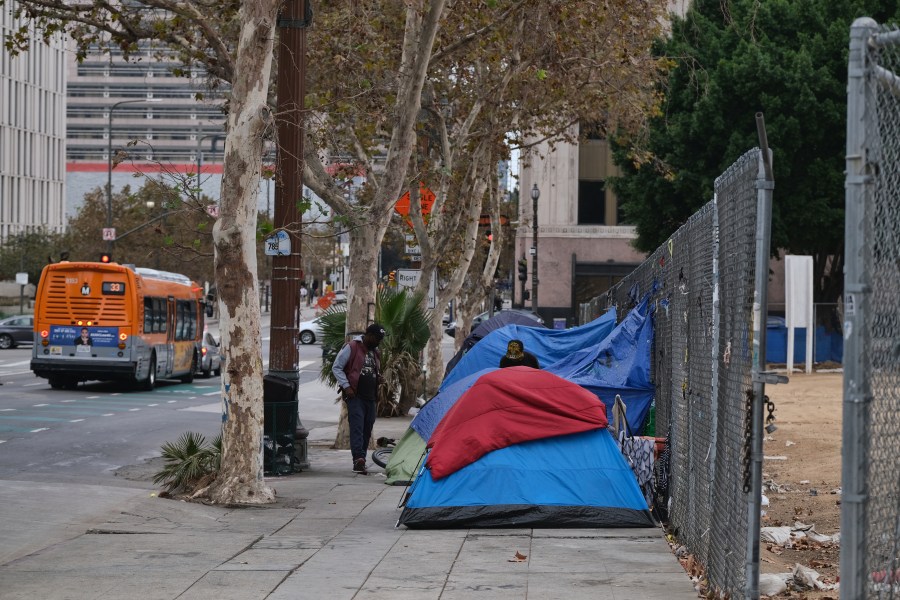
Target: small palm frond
[(334, 324), (406, 322), (187, 461)]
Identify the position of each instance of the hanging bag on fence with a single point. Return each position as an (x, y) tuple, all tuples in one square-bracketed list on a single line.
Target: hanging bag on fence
[(660, 506), (638, 451)]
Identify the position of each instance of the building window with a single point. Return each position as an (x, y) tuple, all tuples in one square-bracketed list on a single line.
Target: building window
[(591, 202)]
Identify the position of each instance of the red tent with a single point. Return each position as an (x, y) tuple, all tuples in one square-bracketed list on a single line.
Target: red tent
[(507, 407)]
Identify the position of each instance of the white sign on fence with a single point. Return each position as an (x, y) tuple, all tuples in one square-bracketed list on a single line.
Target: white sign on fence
[(409, 278)]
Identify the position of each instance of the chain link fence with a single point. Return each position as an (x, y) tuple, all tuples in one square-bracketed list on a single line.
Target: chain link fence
[(703, 286), (870, 503)]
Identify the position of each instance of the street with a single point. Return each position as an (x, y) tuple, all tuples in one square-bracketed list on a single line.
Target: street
[(85, 435)]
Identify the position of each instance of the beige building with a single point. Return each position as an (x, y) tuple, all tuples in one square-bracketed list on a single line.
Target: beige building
[(583, 248)]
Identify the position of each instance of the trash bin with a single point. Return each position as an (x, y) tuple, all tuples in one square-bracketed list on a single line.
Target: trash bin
[(279, 423)]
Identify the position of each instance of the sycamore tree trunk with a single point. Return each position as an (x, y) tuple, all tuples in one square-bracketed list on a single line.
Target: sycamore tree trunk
[(367, 223), (240, 478)]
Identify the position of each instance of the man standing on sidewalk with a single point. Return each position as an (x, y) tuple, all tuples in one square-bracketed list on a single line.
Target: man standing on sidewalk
[(357, 369)]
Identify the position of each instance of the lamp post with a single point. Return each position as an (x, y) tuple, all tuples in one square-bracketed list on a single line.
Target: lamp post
[(212, 148), (109, 161), (535, 194)]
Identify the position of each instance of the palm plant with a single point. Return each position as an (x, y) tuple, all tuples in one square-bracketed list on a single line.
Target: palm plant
[(406, 322), (188, 460)]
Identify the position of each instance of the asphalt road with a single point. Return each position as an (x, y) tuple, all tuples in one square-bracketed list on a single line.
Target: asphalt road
[(89, 434)]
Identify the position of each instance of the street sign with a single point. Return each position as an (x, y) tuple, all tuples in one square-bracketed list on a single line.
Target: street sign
[(278, 244), (22, 278), (109, 234), (409, 278)]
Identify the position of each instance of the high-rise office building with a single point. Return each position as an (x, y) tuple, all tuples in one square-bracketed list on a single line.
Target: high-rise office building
[(32, 134), (164, 118)]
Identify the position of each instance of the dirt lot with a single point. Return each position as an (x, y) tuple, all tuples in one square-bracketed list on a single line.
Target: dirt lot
[(802, 476), (805, 486)]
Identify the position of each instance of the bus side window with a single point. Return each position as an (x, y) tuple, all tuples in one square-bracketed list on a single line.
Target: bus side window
[(148, 315), (192, 319), (181, 325), (162, 313)]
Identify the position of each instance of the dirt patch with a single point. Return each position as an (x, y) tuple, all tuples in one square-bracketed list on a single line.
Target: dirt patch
[(805, 485)]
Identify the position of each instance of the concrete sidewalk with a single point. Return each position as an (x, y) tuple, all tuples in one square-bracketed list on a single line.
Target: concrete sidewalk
[(331, 535)]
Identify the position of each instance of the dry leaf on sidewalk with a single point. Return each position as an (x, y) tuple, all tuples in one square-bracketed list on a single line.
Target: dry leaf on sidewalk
[(519, 557)]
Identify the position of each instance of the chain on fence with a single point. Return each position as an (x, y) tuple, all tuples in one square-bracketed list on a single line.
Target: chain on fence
[(870, 509), (702, 367)]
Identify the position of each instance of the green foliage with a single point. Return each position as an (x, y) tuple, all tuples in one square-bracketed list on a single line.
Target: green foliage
[(188, 461), (787, 60), (157, 227), (29, 252), (406, 322)]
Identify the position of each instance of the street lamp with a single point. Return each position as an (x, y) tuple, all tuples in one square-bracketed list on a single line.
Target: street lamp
[(109, 159), (535, 194), (212, 148)]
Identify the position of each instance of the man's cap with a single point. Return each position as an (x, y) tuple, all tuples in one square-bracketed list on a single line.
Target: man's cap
[(376, 330), (514, 350)]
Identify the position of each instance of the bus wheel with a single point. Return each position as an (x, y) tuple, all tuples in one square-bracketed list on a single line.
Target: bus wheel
[(57, 383), (150, 382), (189, 377), (70, 383)]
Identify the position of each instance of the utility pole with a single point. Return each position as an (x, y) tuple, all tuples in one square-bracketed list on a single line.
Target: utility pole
[(287, 270)]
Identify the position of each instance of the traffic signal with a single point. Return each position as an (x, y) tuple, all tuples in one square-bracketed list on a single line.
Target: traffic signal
[(523, 269), (106, 257)]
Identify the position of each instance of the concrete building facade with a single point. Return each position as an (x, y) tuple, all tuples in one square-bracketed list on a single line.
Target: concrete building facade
[(32, 134), (168, 124), (583, 247)]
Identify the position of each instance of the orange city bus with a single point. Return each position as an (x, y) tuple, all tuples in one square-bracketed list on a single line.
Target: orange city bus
[(138, 324)]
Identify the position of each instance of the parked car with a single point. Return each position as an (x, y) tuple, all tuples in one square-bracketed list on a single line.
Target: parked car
[(477, 319), (310, 331), (210, 357), (15, 331), (340, 297)]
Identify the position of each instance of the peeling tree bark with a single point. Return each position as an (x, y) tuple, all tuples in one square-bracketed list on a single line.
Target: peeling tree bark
[(240, 479)]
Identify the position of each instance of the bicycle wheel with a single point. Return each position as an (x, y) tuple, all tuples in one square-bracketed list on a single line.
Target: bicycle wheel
[(381, 456)]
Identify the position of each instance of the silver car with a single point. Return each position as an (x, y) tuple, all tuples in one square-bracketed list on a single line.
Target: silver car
[(210, 357)]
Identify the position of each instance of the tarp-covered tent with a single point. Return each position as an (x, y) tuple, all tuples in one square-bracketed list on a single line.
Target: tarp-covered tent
[(619, 364), (525, 448), (501, 319), (548, 345)]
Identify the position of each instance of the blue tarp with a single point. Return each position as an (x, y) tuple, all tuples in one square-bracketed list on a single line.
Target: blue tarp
[(828, 346), (548, 345), (620, 364), (501, 319)]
